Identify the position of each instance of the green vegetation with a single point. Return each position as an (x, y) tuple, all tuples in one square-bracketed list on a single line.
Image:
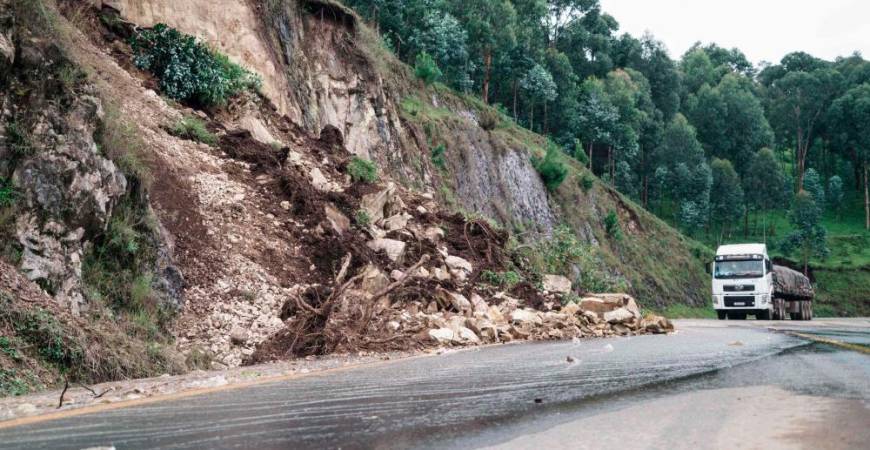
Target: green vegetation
[(362, 170), (586, 181), (362, 218), (611, 225), (15, 382), (7, 193), (563, 252), (437, 156), (506, 279), (120, 141), (18, 140), (678, 311), (116, 271), (551, 168), (194, 129), (188, 70), (426, 69)]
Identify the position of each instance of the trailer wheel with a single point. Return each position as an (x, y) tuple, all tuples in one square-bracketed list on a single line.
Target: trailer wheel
[(810, 316), (778, 309)]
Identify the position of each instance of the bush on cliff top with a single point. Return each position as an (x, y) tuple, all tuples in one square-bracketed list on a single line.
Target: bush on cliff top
[(188, 70)]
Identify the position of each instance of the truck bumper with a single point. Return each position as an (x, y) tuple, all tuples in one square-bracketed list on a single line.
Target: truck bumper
[(741, 302)]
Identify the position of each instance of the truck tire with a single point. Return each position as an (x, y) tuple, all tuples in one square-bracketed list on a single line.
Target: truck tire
[(721, 315), (778, 309), (810, 315), (762, 315)]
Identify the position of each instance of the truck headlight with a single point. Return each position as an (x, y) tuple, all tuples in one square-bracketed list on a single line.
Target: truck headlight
[(716, 300), (765, 298)]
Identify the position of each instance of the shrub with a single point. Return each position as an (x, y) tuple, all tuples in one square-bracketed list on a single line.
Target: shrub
[(188, 70), (18, 141), (437, 156), (580, 153), (551, 168), (362, 170), (7, 193), (362, 218), (611, 225), (507, 279), (488, 119), (586, 181), (193, 129), (426, 69)]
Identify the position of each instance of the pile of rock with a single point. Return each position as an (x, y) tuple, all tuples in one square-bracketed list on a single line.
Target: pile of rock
[(478, 322)]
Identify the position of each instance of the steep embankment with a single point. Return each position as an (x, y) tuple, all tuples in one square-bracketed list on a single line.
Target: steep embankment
[(323, 66), (261, 236)]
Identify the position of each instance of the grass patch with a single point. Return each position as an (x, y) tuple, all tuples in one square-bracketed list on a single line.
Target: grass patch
[(193, 129), (679, 311), (120, 141), (507, 279), (362, 170)]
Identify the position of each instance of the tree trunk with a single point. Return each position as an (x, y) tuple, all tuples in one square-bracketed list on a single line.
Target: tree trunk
[(532, 117), (487, 64), (545, 118), (645, 195), (591, 151), (866, 199), (610, 164), (745, 223), (516, 90)]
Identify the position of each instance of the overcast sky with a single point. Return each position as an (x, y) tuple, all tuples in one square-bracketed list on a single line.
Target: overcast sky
[(765, 30)]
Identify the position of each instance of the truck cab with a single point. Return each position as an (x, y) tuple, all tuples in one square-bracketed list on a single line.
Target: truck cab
[(742, 282)]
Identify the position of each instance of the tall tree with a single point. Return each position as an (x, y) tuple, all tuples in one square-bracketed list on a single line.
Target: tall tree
[(850, 116), (539, 86), (797, 100), (808, 238), (491, 26), (726, 195), (730, 120), (764, 183)]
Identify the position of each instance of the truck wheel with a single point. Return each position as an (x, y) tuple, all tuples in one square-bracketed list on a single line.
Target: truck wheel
[(762, 315), (721, 315), (778, 309), (810, 315), (795, 316)]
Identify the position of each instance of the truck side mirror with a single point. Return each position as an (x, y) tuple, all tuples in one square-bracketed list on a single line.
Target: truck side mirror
[(709, 268)]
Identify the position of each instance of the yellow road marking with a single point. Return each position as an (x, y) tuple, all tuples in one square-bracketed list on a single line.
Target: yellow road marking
[(21, 421), (834, 342)]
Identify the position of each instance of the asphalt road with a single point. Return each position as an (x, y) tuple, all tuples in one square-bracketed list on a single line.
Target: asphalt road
[(710, 385)]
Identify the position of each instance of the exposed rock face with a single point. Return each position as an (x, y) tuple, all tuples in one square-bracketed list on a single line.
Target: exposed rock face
[(68, 194)]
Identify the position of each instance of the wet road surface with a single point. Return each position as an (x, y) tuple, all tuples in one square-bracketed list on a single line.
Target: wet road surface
[(497, 396)]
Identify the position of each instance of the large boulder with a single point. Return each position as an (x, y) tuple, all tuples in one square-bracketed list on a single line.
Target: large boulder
[(526, 317), (394, 249), (656, 324), (620, 315), (603, 303), (442, 335), (557, 284)]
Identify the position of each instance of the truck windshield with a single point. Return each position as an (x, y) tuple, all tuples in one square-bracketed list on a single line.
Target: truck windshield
[(739, 269)]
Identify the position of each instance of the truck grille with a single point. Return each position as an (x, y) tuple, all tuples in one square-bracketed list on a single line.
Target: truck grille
[(740, 300), (739, 288)]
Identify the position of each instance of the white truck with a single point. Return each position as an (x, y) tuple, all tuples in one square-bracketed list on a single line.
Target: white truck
[(745, 282)]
